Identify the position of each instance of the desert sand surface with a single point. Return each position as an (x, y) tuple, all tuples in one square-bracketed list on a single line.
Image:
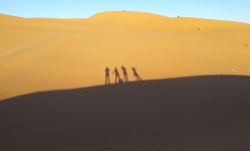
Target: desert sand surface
[(207, 113), (38, 54)]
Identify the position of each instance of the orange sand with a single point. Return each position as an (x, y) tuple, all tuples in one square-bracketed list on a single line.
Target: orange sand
[(47, 54)]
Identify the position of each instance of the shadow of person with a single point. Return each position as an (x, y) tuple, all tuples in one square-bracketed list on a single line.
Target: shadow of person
[(136, 75), (117, 76), (125, 74), (107, 76)]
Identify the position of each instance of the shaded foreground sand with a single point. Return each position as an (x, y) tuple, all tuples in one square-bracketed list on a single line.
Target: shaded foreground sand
[(206, 113), (39, 54)]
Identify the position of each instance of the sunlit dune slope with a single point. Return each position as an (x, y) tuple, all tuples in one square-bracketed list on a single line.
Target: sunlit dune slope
[(44, 54)]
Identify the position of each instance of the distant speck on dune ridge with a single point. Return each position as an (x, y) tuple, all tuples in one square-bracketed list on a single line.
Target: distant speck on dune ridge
[(39, 54)]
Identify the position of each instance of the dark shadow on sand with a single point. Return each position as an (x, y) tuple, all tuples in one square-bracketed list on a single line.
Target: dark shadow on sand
[(194, 113)]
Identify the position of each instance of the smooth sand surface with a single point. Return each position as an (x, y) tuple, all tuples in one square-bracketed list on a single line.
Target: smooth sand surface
[(209, 113), (38, 54)]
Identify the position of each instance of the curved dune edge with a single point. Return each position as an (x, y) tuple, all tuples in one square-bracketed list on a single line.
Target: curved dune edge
[(47, 54), (194, 79)]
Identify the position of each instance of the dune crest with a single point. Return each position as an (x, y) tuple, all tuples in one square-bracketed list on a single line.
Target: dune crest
[(126, 19), (46, 54)]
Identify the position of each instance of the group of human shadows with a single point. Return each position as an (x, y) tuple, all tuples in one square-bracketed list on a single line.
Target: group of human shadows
[(118, 79)]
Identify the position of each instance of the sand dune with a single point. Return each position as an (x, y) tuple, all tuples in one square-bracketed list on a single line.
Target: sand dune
[(47, 54), (196, 113)]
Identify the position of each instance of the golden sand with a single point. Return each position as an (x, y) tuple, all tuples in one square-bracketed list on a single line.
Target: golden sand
[(47, 54)]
